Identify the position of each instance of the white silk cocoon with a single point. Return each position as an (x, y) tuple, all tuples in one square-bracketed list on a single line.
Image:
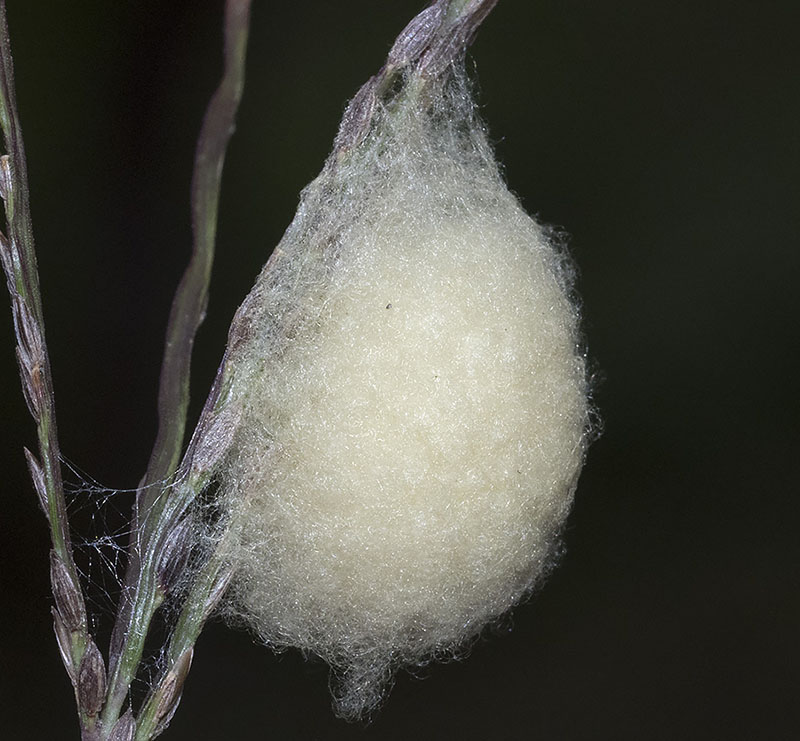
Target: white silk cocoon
[(414, 406)]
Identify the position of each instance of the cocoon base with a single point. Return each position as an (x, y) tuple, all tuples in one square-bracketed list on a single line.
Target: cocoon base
[(414, 406)]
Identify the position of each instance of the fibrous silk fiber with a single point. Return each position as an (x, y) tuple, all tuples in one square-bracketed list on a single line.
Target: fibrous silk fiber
[(414, 404)]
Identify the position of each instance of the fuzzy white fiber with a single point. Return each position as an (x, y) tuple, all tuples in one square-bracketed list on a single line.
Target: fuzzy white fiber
[(414, 401)]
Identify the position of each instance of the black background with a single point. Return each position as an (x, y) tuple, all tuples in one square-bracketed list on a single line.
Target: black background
[(662, 136)]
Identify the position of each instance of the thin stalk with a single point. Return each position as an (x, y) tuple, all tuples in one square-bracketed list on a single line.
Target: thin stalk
[(18, 257), (155, 515), (207, 589), (191, 297), (81, 658), (23, 277)]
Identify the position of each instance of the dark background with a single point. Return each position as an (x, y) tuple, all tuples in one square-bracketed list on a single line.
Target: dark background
[(662, 136)]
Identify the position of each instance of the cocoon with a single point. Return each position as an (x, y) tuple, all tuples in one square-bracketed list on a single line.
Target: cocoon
[(413, 402)]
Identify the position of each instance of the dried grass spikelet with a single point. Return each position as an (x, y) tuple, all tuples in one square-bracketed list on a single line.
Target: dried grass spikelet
[(413, 398)]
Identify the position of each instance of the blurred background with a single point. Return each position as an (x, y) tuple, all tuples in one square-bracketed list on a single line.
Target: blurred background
[(662, 136)]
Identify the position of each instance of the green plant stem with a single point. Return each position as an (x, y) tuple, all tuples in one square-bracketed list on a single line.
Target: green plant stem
[(26, 280), (207, 588), (159, 505), (191, 297), (18, 256)]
